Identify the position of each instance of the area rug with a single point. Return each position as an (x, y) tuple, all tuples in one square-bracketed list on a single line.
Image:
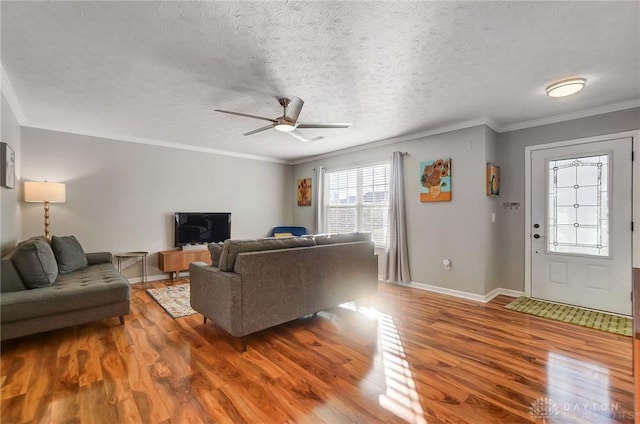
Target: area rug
[(174, 299), (574, 315)]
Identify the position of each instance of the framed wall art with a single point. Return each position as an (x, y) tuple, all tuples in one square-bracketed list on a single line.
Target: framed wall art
[(493, 180), (8, 166), (304, 192), (435, 180)]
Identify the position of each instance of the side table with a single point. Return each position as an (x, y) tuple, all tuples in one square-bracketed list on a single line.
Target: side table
[(143, 262)]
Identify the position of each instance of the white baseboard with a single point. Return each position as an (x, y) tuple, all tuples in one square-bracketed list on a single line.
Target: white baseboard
[(465, 295), (505, 292)]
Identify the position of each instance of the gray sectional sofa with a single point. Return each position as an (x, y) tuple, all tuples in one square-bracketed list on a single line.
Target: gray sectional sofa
[(43, 290), (256, 284)]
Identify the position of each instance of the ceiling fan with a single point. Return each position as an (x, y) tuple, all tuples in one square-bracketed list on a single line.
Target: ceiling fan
[(288, 122)]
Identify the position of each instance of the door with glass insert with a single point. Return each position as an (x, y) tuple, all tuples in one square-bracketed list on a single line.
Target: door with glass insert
[(581, 225)]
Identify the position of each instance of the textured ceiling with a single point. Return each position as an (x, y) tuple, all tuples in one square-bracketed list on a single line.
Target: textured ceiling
[(157, 70)]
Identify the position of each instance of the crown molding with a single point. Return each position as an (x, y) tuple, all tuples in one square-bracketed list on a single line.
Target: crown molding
[(570, 116), (154, 142), (408, 137), (7, 89)]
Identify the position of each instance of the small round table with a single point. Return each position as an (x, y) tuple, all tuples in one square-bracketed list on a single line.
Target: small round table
[(143, 262)]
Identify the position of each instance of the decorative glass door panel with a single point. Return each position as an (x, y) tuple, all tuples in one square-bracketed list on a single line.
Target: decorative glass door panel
[(578, 206)]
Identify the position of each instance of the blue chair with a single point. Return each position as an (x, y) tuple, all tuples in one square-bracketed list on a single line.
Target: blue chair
[(294, 231)]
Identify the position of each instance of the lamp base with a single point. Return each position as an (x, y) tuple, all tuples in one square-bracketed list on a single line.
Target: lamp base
[(47, 230)]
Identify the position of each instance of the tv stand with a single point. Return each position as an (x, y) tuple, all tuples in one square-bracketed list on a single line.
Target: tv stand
[(174, 261)]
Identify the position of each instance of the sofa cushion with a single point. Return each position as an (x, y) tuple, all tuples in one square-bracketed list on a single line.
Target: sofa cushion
[(35, 263), (69, 254), (10, 280), (87, 288), (341, 238), (215, 249), (232, 248)]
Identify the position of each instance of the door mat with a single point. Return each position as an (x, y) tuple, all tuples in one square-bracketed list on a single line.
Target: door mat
[(174, 299), (574, 315)]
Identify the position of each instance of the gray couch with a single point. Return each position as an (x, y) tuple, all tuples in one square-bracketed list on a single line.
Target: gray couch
[(255, 285), (94, 291)]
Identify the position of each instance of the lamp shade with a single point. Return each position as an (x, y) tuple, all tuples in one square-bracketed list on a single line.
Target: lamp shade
[(42, 191)]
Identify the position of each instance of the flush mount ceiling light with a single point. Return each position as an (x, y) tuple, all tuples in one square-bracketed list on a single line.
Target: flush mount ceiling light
[(566, 87)]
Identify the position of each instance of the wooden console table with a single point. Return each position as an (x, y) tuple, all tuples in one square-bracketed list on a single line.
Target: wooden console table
[(174, 261)]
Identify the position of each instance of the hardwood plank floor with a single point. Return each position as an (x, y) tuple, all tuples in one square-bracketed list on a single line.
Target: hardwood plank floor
[(405, 356)]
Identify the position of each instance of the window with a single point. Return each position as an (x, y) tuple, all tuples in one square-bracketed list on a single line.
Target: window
[(578, 206), (358, 200)]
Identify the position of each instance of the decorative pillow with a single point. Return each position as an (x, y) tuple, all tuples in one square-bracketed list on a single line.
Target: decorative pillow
[(216, 250), (341, 238), (282, 235), (35, 263), (69, 254), (232, 248), (297, 242)]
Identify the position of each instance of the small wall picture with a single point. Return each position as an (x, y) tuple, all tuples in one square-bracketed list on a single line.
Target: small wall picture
[(8, 165), (304, 192), (435, 180), (493, 180)]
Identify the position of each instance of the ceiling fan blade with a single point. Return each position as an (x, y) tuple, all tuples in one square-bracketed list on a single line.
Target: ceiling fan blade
[(244, 114), (293, 109), (327, 125), (299, 136), (268, 127)]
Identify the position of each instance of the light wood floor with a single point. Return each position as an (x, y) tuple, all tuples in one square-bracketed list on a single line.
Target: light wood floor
[(412, 356)]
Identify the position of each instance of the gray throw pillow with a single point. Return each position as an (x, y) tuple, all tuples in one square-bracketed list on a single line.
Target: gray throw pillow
[(216, 250), (341, 238), (69, 254), (35, 263), (232, 248)]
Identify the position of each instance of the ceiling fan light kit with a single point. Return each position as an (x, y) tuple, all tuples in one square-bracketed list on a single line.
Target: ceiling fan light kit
[(284, 127), (288, 122), (566, 87)]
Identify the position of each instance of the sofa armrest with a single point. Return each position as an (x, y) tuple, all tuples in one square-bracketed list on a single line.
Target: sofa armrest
[(99, 258), (217, 295)]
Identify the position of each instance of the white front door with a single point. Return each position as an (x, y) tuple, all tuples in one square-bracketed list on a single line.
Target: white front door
[(580, 231)]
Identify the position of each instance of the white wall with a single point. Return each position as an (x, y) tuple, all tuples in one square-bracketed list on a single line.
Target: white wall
[(121, 196), (511, 146), (10, 219), (459, 230)]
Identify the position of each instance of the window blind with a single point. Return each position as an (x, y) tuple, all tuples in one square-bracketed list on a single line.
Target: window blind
[(358, 200)]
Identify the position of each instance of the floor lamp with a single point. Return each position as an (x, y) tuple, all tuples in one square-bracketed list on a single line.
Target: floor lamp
[(37, 191)]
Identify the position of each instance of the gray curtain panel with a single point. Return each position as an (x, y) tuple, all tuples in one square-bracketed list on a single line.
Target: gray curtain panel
[(319, 199), (397, 269)]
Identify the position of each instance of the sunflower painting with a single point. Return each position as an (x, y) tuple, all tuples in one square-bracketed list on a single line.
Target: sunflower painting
[(435, 180), (304, 192)]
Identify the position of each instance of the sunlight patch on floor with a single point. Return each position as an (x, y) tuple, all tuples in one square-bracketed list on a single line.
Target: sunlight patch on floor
[(401, 397), (579, 390)]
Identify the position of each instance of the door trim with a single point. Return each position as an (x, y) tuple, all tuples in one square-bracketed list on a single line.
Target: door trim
[(635, 135)]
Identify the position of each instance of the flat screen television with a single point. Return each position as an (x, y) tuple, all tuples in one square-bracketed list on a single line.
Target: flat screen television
[(201, 227)]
